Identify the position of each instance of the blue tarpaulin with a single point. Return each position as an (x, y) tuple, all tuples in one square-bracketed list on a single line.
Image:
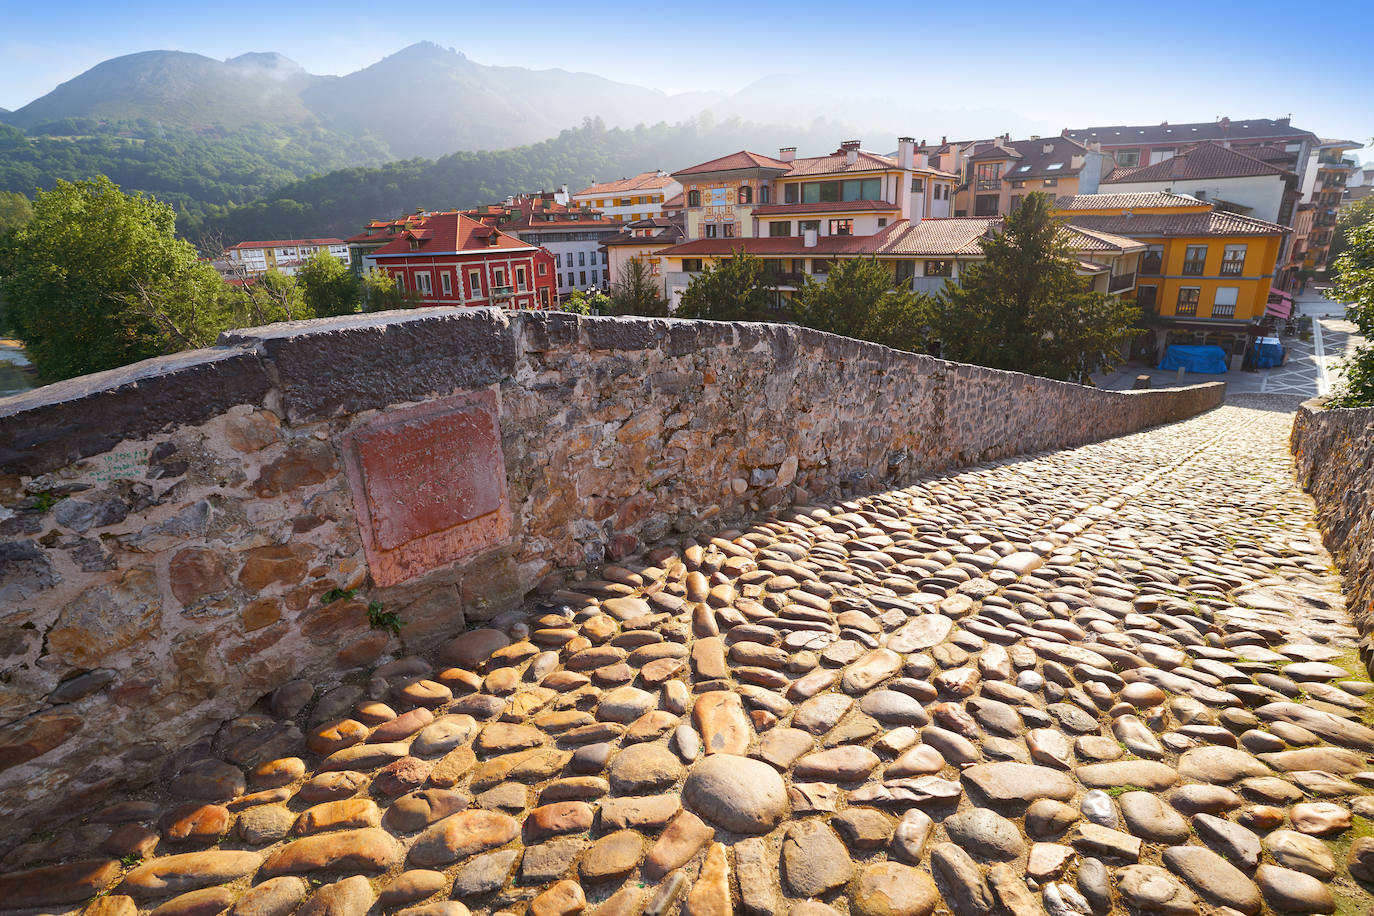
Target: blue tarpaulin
[(1205, 360), (1268, 353)]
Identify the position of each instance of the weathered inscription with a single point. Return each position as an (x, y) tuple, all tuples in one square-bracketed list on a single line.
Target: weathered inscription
[(430, 485)]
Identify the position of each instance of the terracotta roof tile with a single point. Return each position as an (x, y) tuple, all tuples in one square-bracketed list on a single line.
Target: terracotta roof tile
[(1129, 201), (830, 206), (1200, 161), (644, 181), (741, 160), (938, 237), (837, 163), (1164, 225), (443, 233)]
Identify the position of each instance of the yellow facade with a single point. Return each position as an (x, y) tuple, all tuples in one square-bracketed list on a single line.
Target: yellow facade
[(1177, 279)]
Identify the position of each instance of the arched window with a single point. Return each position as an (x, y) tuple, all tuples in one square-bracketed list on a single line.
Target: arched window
[(694, 198), (746, 194)]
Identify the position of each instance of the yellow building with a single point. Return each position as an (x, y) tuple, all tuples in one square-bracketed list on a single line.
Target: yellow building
[(636, 198), (1206, 273)]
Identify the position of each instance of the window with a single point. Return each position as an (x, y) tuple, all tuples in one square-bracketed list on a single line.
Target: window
[(985, 205), (882, 221), (746, 194), (595, 279), (1194, 260), (1145, 298), (582, 259), (424, 283), (1018, 184), (1054, 166), (1187, 301), (709, 230), (446, 281), (558, 260), (774, 267), (1159, 155), (400, 281), (729, 230), (808, 225), (1224, 305), (474, 283), (1233, 261), (691, 265), (520, 280), (918, 185), (790, 195), (763, 194), (841, 227), (543, 268), (1152, 261), (1016, 201), (498, 277), (1128, 158), (939, 268), (780, 229), (905, 270), (821, 265), (835, 191), (1051, 182), (694, 198), (582, 277)]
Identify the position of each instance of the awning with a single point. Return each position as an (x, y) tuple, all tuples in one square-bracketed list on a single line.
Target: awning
[(1280, 304)]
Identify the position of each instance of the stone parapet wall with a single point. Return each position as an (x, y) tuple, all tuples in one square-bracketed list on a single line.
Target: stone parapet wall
[(168, 530), (1334, 452)]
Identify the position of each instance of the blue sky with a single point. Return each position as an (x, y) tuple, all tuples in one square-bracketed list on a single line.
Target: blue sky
[(1052, 64)]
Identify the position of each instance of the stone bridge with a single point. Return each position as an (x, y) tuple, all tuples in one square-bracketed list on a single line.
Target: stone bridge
[(504, 614)]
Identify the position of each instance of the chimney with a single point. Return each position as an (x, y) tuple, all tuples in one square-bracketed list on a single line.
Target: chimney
[(1035, 136), (1225, 123), (809, 238), (1284, 122), (906, 152), (1045, 148), (943, 140), (1076, 163), (851, 150), (787, 153), (922, 161)]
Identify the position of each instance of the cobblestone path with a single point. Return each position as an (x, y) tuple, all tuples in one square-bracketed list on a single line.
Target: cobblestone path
[(1112, 679)]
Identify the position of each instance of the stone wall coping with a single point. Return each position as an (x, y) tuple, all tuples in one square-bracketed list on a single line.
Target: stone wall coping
[(331, 366)]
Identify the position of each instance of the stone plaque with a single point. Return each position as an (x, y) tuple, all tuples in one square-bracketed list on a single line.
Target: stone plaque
[(429, 485)]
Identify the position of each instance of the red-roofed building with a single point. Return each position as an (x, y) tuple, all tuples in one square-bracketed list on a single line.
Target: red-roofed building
[(639, 197), (573, 233), (450, 259)]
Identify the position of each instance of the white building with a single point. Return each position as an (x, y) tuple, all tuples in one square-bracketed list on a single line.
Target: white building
[(629, 199)]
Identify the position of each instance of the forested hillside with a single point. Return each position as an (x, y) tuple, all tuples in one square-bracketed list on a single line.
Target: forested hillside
[(200, 172), (340, 203)]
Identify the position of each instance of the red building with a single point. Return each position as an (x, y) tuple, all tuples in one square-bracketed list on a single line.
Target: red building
[(449, 259)]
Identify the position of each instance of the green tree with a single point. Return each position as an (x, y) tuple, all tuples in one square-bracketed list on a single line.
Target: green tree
[(1024, 308), (328, 286), (858, 299), (736, 288), (1354, 285), (98, 279), (1350, 218), (584, 303), (636, 291), (15, 210), (380, 293)]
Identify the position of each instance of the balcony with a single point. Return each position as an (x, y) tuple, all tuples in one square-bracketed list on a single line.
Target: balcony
[(502, 292), (1232, 268), (784, 279), (1193, 268), (1120, 283), (1224, 311), (987, 184)]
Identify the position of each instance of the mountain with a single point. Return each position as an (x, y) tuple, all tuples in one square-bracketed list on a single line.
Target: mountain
[(429, 101), (178, 89), (423, 100)]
